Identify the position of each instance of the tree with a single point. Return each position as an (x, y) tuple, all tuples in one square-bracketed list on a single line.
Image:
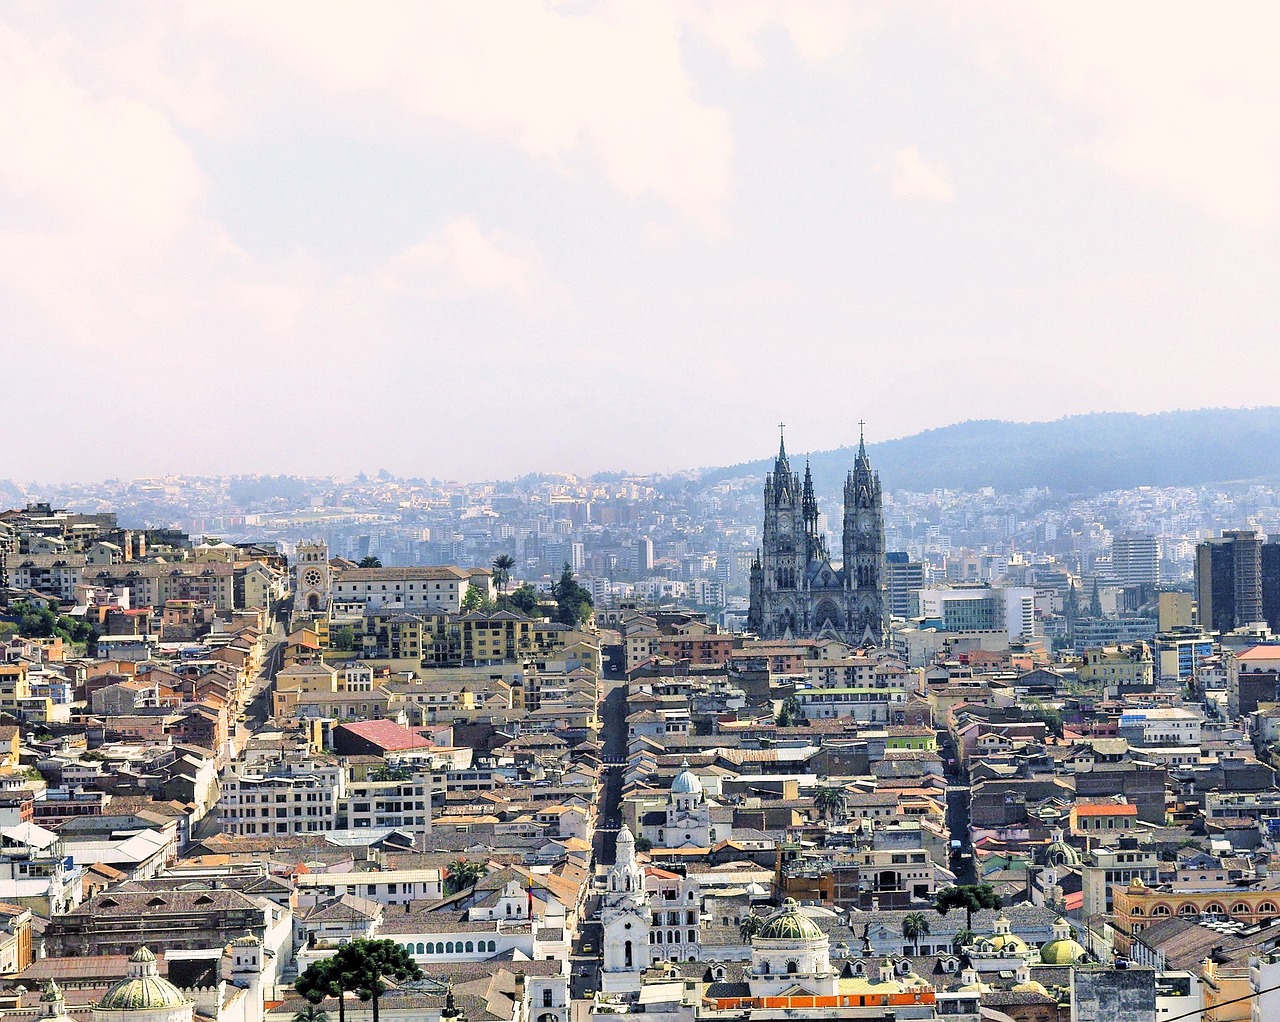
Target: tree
[(573, 603), (502, 565), (476, 600), (370, 562), (525, 600), (828, 800), (368, 964), (790, 714), (751, 925), (464, 873), (970, 897), (643, 844), (324, 979), (914, 926), (311, 1013), (343, 638), (390, 772)]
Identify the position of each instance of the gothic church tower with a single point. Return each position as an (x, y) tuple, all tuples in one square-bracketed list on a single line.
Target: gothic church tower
[(796, 592), (864, 551)]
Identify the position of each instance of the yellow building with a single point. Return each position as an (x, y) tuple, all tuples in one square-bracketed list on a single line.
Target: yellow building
[(1137, 906), (14, 687), (301, 679), (1128, 666)]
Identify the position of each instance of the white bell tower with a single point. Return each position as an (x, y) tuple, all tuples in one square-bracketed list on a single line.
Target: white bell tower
[(312, 563), (626, 918)]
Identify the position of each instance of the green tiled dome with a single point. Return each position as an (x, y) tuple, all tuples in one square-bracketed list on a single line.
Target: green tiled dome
[(790, 924), (1061, 952), (143, 988)]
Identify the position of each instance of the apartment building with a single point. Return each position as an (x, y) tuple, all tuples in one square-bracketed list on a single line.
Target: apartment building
[(288, 796)]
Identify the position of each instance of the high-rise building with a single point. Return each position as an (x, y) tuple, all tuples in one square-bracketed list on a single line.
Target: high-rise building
[(795, 589), (1229, 580), (1271, 582), (644, 555), (1135, 559), (901, 576)]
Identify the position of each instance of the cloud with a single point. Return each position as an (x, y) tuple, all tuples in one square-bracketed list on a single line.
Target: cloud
[(913, 178), (817, 31), (68, 154), (1167, 95), (457, 262), (606, 83)]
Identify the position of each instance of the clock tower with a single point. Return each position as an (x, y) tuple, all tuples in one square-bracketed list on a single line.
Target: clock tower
[(311, 593)]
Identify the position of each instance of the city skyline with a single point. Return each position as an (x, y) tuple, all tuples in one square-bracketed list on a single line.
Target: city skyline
[(332, 242)]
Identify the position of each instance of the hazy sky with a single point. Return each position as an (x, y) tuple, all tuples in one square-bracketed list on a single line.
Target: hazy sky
[(471, 240)]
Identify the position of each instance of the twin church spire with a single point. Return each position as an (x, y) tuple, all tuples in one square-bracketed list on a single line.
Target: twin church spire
[(796, 591)]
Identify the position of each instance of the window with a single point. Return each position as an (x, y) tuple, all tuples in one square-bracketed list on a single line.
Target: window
[(546, 998)]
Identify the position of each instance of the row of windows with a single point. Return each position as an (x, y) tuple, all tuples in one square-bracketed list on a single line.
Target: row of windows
[(450, 947), (1212, 908), (673, 937)]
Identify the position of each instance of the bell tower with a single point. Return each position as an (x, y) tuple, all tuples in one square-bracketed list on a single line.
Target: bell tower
[(313, 577), (626, 920)]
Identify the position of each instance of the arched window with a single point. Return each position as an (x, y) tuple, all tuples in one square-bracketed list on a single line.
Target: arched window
[(792, 967), (1267, 908), (1159, 910), (1136, 910), (422, 950), (1213, 908), (765, 968), (470, 946), (448, 947), (626, 954), (1188, 910), (1240, 909)]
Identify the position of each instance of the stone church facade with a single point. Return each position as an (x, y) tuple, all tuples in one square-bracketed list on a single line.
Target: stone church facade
[(796, 590)]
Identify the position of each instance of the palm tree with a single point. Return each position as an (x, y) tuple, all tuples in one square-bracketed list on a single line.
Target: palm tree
[(370, 562), (311, 1013), (962, 939), (751, 925), (502, 565), (828, 800), (370, 963), (464, 873), (914, 926)]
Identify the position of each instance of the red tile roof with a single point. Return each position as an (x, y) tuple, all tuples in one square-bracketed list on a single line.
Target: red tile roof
[(386, 734)]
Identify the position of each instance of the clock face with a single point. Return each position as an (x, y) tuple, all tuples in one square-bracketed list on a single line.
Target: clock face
[(312, 578)]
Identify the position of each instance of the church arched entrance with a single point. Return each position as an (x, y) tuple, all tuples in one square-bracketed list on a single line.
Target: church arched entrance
[(313, 602)]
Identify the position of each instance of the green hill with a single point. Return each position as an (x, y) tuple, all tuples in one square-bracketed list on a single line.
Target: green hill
[(1079, 454)]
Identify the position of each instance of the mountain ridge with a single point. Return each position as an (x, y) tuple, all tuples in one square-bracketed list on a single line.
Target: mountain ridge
[(1088, 453)]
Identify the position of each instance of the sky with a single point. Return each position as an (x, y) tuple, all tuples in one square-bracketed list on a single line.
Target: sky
[(470, 241)]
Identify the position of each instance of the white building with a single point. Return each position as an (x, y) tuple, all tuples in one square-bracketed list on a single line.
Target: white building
[(686, 820), (423, 589), (626, 921), (282, 797), (1164, 726)]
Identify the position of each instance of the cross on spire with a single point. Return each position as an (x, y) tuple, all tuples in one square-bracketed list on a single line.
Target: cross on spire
[(782, 441)]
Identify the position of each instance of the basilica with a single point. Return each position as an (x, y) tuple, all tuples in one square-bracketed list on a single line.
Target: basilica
[(796, 590)]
